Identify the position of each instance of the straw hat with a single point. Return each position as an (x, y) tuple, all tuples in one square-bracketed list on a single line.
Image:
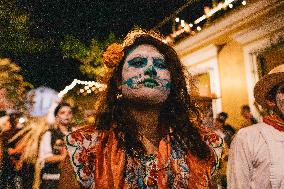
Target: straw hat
[(266, 84)]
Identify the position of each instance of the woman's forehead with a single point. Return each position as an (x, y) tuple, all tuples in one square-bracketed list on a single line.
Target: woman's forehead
[(64, 108), (144, 50)]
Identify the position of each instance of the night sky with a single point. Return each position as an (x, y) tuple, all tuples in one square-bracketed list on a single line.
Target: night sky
[(87, 19)]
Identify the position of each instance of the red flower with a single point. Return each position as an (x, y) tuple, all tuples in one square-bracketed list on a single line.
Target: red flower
[(77, 136), (83, 156), (86, 170), (88, 136), (151, 182), (212, 138)]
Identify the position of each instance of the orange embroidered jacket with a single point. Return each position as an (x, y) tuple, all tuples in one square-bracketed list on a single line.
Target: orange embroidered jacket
[(107, 166)]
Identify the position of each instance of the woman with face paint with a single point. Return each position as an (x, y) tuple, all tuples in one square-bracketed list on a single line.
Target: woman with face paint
[(145, 135)]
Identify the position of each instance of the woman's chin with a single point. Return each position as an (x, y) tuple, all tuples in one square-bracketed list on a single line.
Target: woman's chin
[(146, 95)]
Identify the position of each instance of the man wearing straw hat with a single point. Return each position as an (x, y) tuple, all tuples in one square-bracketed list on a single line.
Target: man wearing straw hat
[(256, 157)]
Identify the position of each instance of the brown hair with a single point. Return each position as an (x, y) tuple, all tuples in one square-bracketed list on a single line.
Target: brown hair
[(175, 111)]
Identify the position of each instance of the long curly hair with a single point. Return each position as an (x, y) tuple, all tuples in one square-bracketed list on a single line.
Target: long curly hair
[(174, 118)]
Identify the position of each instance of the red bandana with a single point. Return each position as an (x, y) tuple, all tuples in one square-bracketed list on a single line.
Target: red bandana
[(275, 122)]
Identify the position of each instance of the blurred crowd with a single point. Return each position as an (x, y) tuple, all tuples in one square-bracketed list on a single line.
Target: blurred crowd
[(32, 148)]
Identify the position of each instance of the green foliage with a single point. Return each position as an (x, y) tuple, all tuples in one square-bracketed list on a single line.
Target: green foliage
[(14, 30), (73, 48), (12, 84), (90, 56)]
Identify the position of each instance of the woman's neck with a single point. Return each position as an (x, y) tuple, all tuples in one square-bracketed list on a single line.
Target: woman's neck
[(62, 128), (147, 120)]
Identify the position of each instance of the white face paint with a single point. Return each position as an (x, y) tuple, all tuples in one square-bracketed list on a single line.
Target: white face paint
[(145, 76), (280, 99)]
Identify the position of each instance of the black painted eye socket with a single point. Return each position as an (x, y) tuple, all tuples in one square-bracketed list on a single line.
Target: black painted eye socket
[(137, 62), (161, 66), (281, 89), (160, 63)]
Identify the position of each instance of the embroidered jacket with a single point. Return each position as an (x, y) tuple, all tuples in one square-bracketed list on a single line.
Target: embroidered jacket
[(99, 166)]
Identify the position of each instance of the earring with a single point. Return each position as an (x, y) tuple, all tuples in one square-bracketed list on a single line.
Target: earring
[(118, 96)]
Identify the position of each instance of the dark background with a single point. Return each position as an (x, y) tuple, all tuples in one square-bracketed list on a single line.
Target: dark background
[(86, 19)]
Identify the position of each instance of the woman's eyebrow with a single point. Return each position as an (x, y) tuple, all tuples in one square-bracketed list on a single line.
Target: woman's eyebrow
[(137, 55)]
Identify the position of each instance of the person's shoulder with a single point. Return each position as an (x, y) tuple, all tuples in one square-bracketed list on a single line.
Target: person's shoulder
[(249, 132), (46, 133), (80, 144), (83, 136)]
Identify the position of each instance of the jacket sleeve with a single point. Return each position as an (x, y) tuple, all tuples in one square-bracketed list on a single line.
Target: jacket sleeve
[(216, 145), (239, 164), (80, 145), (67, 177)]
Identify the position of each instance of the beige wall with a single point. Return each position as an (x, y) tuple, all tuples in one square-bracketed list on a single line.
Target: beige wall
[(233, 81)]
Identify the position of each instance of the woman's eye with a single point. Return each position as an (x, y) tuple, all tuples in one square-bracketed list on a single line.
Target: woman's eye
[(160, 64), (137, 62)]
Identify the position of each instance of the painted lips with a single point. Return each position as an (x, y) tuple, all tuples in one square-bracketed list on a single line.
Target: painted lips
[(151, 83)]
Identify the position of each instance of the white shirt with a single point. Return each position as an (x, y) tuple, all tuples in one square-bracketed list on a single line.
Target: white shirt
[(250, 158), (45, 148)]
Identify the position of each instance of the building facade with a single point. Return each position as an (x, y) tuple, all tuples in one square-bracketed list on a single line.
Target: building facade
[(229, 55)]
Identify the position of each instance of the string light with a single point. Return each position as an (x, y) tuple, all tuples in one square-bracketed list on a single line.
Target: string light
[(22, 120), (182, 23), (211, 12), (88, 86), (187, 28), (200, 19)]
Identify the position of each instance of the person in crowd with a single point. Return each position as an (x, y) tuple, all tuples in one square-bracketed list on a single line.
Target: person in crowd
[(26, 149), (147, 133), (12, 175), (5, 126), (247, 115), (9, 176), (257, 152), (52, 146), (226, 132)]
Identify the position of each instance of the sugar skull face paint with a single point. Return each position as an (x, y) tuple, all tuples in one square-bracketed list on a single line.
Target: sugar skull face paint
[(145, 75)]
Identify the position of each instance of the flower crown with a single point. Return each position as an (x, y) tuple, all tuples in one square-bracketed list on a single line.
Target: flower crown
[(115, 52)]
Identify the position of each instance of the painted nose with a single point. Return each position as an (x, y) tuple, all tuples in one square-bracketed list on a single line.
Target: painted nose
[(150, 71)]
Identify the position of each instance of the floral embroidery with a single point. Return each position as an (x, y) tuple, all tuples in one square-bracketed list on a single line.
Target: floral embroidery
[(151, 178), (142, 172), (78, 146), (217, 147)]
